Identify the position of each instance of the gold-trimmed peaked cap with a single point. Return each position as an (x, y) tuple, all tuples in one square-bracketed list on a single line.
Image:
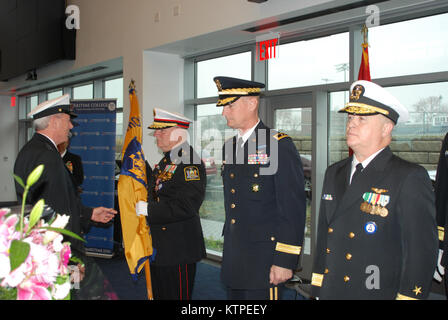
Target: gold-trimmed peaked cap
[(231, 89), (57, 105), (368, 98), (165, 119)]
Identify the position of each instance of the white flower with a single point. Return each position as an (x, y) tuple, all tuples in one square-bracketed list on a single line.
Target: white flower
[(61, 291), (4, 266), (60, 222), (57, 243)]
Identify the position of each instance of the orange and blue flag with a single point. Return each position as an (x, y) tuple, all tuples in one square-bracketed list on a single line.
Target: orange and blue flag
[(132, 188), (364, 68)]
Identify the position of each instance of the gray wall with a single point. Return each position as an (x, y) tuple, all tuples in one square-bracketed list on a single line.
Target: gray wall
[(8, 148)]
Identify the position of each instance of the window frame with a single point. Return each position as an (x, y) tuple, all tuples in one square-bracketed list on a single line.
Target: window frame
[(320, 94)]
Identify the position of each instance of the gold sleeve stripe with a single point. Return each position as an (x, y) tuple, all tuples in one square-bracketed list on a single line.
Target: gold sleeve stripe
[(403, 297), (441, 233), (286, 248), (317, 279)]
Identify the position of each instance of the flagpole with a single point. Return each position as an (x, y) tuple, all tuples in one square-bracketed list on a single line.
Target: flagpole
[(148, 280), (147, 267), (364, 68), (364, 32)]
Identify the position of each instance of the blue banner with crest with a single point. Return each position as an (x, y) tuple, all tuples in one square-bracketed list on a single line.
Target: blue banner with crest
[(94, 141)]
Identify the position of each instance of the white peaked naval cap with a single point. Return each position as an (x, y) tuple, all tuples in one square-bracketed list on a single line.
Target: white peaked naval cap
[(58, 105), (166, 119), (368, 98)]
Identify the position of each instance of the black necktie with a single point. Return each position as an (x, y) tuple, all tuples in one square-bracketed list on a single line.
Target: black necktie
[(358, 171)]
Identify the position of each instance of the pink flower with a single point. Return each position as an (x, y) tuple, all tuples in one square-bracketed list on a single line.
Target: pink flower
[(45, 263), (11, 221), (4, 211), (36, 236), (18, 275), (66, 253), (33, 291), (48, 258)]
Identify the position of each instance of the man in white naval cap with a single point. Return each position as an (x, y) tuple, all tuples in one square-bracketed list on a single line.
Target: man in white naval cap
[(176, 191), (377, 234), (52, 124)]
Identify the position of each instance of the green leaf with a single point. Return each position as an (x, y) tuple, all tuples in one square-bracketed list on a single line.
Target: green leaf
[(8, 293), (77, 260), (19, 180), (62, 279), (18, 252), (35, 214), (63, 231), (35, 175)]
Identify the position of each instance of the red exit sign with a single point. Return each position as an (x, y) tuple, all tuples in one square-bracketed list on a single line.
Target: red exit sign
[(267, 46)]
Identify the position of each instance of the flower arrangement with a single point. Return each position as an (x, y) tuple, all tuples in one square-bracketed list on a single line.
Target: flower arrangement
[(33, 259)]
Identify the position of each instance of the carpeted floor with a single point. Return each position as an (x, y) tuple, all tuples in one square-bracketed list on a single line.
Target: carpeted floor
[(208, 285)]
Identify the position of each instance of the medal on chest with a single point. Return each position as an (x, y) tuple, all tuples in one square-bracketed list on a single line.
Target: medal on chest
[(164, 175), (375, 202)]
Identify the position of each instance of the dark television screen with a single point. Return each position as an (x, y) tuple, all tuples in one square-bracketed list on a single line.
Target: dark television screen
[(32, 34)]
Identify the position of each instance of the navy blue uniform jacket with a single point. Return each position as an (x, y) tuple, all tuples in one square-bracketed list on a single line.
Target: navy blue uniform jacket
[(176, 191), (55, 185), (386, 255), (441, 189), (265, 209)]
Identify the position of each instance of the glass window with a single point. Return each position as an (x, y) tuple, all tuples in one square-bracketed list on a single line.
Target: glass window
[(409, 47), (114, 89), (211, 132), (25, 127), (297, 122), (31, 102), (54, 94), (83, 91), (337, 148), (309, 62), (119, 137), (419, 140), (237, 65)]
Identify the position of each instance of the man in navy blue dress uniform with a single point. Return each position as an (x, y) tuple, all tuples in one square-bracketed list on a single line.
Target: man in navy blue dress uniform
[(176, 191), (376, 234), (52, 121), (441, 191), (264, 198)]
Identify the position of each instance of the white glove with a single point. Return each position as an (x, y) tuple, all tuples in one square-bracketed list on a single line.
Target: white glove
[(141, 208), (440, 270)]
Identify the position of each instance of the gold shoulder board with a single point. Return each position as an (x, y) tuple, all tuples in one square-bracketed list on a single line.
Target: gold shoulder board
[(280, 136)]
